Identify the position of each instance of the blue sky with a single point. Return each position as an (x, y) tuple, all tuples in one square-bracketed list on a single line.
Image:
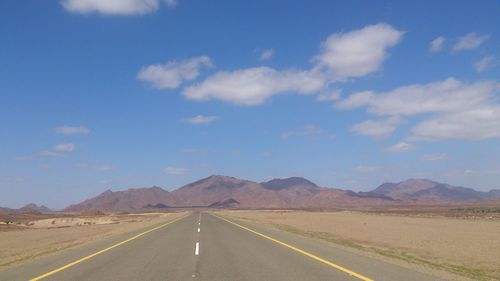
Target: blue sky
[(100, 95)]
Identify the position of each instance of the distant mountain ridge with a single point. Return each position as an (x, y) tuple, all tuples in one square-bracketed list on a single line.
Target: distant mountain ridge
[(127, 200), (35, 208), (430, 191), (228, 192), (29, 208)]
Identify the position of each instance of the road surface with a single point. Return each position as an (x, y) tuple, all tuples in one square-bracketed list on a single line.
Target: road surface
[(203, 246)]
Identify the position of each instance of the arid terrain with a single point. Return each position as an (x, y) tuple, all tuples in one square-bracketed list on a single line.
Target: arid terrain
[(452, 243), (442, 230), (29, 236), (461, 241)]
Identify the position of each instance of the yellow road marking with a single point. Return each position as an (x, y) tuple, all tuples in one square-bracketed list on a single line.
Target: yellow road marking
[(101, 251), (336, 266)]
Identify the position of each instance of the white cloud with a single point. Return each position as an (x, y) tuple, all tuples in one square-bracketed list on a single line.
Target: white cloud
[(267, 54), (111, 7), (459, 110), (437, 44), (200, 119), (357, 53), (175, 171), (400, 147), (63, 147), (450, 95), (309, 130), (72, 130), (472, 124), (484, 64), (378, 129), (470, 41), (434, 157), (173, 73), (342, 56), (253, 86), (330, 95)]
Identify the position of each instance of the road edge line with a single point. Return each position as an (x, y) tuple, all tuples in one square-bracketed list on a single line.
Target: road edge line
[(40, 277), (336, 266)]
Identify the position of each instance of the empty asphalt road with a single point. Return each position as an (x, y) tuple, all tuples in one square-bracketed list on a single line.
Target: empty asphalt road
[(203, 246)]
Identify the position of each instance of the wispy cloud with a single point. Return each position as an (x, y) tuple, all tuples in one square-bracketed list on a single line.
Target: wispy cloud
[(72, 130), (400, 147), (437, 44), (173, 73), (267, 54), (113, 7), (61, 149), (200, 119), (309, 130), (484, 64), (64, 147), (367, 169), (434, 157), (378, 129), (470, 41), (175, 171)]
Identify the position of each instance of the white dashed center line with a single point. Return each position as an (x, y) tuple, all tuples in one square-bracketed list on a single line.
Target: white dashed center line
[(197, 249)]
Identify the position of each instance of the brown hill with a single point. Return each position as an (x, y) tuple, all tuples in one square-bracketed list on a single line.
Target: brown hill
[(426, 191), (4, 211), (219, 188), (229, 192), (224, 191), (30, 208), (128, 200), (34, 208)]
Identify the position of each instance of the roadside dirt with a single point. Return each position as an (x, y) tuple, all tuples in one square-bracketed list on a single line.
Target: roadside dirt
[(34, 238)]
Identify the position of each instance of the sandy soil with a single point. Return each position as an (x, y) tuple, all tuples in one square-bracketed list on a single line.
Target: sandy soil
[(36, 238), (463, 246)]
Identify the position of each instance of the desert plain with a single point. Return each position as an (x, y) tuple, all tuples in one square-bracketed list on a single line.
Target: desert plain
[(461, 243)]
